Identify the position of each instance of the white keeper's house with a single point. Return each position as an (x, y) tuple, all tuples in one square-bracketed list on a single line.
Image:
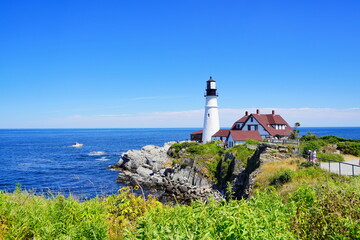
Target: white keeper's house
[(255, 126)]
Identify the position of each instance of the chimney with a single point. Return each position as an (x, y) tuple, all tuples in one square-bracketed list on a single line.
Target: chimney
[(257, 111), (246, 113), (273, 112)]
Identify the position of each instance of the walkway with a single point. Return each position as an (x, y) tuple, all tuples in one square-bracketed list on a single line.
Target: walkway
[(344, 168)]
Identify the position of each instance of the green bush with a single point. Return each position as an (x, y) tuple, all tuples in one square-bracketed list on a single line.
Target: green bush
[(330, 156), (281, 177), (352, 148), (194, 148), (241, 152), (331, 139), (307, 164), (328, 211), (310, 145), (251, 142), (26, 216), (336, 139), (264, 216), (308, 137)]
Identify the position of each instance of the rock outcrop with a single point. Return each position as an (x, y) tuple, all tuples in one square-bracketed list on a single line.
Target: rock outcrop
[(151, 168), (241, 176)]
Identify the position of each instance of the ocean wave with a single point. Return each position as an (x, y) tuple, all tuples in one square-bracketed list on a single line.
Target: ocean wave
[(103, 159), (97, 153)]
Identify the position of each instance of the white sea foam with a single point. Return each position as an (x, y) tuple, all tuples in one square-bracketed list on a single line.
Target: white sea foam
[(102, 159), (97, 153)]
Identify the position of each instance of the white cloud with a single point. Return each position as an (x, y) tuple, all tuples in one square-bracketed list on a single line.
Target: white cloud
[(309, 117)]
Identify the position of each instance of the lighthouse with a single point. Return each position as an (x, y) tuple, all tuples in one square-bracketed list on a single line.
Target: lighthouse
[(211, 117)]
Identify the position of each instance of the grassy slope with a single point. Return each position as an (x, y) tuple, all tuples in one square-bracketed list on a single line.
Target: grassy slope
[(307, 204), (290, 201)]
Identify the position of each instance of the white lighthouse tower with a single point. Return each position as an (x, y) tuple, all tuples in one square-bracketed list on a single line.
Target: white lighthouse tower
[(211, 117)]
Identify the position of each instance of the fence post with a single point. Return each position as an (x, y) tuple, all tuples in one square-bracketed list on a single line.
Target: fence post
[(353, 170), (339, 169)]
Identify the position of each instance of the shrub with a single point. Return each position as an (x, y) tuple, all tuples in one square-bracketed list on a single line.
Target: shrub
[(264, 216), (331, 139), (124, 210), (308, 137), (251, 142), (352, 148), (241, 152), (281, 177), (327, 211), (26, 216), (330, 156), (310, 145), (307, 164)]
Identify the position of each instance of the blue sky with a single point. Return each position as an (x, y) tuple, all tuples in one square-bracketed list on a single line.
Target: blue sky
[(145, 63)]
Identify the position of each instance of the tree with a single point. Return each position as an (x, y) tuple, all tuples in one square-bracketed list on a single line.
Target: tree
[(295, 133)]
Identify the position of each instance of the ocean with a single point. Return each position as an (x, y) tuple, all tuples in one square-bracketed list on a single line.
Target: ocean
[(42, 160)]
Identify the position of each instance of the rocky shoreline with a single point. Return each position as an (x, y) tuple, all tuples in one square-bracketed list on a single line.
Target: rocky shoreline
[(152, 169)]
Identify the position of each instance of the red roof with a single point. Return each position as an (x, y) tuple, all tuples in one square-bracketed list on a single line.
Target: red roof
[(222, 133), (239, 135), (197, 132), (241, 120), (268, 119)]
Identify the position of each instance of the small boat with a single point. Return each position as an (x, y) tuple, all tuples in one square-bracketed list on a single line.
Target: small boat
[(77, 145)]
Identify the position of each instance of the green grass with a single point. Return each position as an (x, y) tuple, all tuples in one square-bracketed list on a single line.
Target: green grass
[(291, 200), (26, 216), (209, 158), (263, 217), (324, 156)]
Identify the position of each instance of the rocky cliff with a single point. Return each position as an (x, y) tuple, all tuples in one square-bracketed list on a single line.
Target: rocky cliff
[(152, 168)]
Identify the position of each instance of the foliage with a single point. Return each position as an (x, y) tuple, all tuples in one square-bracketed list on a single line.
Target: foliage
[(352, 148), (265, 216), (26, 216), (281, 177), (194, 148), (326, 204), (327, 211), (241, 152), (308, 137), (209, 158), (251, 142), (336, 139), (295, 133), (346, 146), (124, 210), (310, 203), (310, 145), (331, 139), (307, 164), (330, 156)]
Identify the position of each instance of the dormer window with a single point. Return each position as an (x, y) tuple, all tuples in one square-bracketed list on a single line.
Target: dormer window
[(251, 119)]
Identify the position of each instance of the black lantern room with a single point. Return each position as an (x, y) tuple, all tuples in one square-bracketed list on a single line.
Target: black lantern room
[(210, 87)]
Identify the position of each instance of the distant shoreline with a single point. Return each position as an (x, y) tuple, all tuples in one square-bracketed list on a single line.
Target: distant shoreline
[(144, 128)]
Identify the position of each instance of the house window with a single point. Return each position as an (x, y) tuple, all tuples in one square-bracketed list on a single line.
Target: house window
[(251, 119), (256, 127), (208, 114), (249, 127)]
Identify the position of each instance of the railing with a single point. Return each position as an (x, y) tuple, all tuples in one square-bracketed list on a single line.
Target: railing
[(344, 170), (283, 141)]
